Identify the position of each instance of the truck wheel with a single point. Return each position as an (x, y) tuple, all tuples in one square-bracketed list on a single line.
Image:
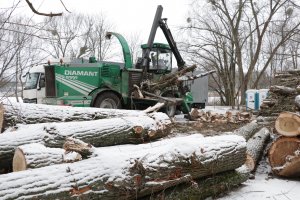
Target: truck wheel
[(108, 100)]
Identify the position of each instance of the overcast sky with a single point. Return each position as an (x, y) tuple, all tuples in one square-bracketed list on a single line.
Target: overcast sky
[(128, 16)]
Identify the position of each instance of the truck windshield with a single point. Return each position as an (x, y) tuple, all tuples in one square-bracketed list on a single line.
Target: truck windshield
[(161, 59), (31, 81)]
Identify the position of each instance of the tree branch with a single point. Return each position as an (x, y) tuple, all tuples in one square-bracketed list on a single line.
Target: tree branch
[(39, 13)]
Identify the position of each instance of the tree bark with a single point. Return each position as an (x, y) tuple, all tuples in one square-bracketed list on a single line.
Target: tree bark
[(35, 155), (288, 124), (103, 132), (24, 113), (255, 147), (169, 80), (297, 101), (284, 156), (283, 90), (139, 171), (202, 188), (247, 131)]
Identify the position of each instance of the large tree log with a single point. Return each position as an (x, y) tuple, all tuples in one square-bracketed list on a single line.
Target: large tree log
[(35, 155), (284, 156), (139, 171), (255, 147), (103, 132), (288, 124), (24, 113), (247, 131), (202, 188)]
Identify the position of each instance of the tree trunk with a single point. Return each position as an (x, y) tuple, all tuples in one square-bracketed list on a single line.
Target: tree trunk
[(247, 131), (199, 189), (24, 113), (288, 124), (103, 132), (139, 171), (255, 147), (284, 156), (35, 155)]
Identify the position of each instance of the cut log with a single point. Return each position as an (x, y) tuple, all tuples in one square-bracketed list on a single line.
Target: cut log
[(283, 90), (255, 147), (103, 132), (75, 145), (283, 75), (294, 71), (24, 113), (140, 170), (284, 156), (247, 131), (203, 188), (297, 101), (168, 80), (34, 155), (288, 124)]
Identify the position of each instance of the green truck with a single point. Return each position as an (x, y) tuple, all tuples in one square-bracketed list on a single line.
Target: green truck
[(110, 84)]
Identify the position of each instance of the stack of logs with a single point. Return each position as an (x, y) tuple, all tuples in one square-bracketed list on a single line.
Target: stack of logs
[(282, 95), (284, 153), (283, 102), (63, 152)]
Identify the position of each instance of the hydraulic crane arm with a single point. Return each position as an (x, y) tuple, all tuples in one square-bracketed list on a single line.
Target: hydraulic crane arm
[(167, 32), (162, 23)]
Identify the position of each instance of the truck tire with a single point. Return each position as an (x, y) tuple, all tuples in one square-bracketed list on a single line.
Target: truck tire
[(108, 100)]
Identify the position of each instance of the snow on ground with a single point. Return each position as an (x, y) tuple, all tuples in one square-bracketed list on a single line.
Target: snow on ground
[(10, 99), (265, 186)]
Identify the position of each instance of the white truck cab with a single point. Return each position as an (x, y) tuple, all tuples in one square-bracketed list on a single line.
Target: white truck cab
[(34, 90)]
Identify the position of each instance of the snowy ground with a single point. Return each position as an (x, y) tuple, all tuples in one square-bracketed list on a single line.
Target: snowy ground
[(265, 186)]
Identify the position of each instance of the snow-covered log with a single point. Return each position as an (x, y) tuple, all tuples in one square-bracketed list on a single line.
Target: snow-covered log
[(24, 113), (129, 171), (103, 132), (284, 156), (35, 155), (247, 131), (202, 188), (288, 124), (255, 147)]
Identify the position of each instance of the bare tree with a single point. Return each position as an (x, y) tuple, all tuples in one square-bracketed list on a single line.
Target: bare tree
[(134, 42), (18, 48), (232, 37)]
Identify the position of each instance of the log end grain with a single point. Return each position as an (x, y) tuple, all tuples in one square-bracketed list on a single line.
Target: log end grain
[(287, 124), (279, 156), (19, 161)]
